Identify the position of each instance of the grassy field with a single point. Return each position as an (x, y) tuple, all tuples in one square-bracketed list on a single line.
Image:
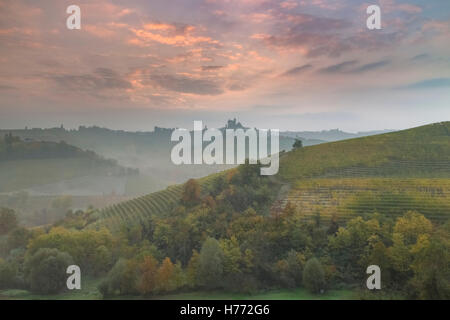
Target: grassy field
[(294, 294), (89, 292)]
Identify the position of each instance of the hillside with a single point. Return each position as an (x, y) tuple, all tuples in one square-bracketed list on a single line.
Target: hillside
[(26, 164), (388, 173), (141, 209), (339, 216), (421, 151), (149, 151)]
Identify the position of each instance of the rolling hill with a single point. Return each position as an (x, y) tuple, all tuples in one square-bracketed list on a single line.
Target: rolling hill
[(150, 151), (388, 173), (28, 164)]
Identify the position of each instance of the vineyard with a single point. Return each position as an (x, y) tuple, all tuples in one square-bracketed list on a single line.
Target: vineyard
[(389, 174), (418, 152), (141, 209), (349, 197)]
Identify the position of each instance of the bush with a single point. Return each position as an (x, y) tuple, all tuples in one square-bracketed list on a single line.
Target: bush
[(46, 270), (7, 275), (314, 276), (121, 280)]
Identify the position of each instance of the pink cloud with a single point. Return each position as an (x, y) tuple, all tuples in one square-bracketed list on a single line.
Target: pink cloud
[(389, 6), (168, 34)]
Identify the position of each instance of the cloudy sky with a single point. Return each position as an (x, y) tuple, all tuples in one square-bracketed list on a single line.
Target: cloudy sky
[(293, 64)]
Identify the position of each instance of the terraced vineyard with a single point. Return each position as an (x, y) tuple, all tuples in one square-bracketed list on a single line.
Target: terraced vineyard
[(348, 197), (140, 209), (418, 152)]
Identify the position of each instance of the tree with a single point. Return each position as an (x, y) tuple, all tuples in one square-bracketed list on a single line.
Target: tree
[(164, 277), (191, 192), (297, 144), (431, 269), (235, 261), (211, 260), (411, 226), (314, 276), (149, 271), (17, 238), (334, 226), (46, 270), (218, 185), (121, 279), (350, 243), (178, 277), (8, 220), (7, 275), (101, 260), (84, 246), (192, 269), (295, 262)]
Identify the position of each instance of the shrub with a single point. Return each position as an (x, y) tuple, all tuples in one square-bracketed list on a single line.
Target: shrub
[(46, 270), (314, 276)]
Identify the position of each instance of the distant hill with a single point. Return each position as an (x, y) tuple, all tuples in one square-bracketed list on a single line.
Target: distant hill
[(388, 173), (330, 135), (147, 151), (150, 151), (28, 164)]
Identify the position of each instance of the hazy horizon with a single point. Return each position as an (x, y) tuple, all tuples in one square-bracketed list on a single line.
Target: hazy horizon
[(292, 65), (141, 124)]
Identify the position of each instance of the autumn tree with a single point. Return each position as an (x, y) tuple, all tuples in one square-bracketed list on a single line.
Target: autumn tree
[(192, 269), (164, 276), (431, 269), (411, 226), (84, 246), (149, 273), (191, 192)]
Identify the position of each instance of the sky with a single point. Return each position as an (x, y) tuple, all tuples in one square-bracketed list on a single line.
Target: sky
[(288, 64)]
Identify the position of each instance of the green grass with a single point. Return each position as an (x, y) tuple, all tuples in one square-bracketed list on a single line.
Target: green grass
[(417, 152), (294, 294), (88, 291)]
